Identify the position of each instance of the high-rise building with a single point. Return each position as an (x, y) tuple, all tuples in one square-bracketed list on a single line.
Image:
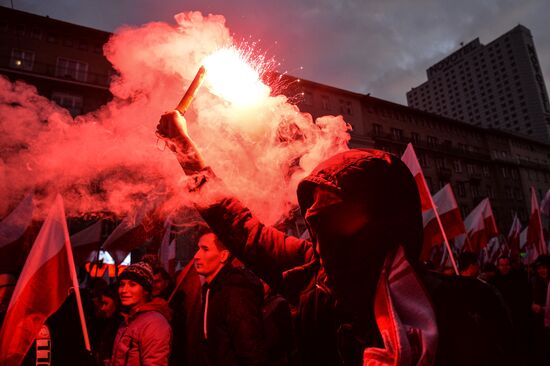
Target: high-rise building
[(499, 85)]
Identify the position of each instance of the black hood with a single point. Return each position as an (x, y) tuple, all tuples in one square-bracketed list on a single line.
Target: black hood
[(383, 183)]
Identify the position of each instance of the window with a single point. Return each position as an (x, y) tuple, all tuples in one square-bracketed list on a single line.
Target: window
[(475, 190), (324, 102), (440, 163), (71, 69), (461, 189), (504, 172), (429, 183), (470, 168), (308, 98), (508, 192), (345, 107), (73, 103), (490, 192), (432, 141), (415, 138), (397, 134), (457, 165), (485, 169), (422, 159), (22, 59), (376, 129)]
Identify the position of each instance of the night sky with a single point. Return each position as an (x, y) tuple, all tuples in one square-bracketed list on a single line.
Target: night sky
[(379, 47)]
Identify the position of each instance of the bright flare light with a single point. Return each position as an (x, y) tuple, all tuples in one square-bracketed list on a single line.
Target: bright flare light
[(232, 78)]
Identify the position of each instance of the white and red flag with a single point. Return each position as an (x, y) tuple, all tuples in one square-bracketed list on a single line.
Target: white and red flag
[(86, 243), (535, 237), (480, 226), (410, 159), (13, 228), (513, 237), (167, 250), (42, 287), (545, 204), (450, 216)]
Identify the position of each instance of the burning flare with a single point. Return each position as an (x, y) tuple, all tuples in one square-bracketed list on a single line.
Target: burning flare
[(231, 77)]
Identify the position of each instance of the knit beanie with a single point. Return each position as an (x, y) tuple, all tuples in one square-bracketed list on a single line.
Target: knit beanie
[(140, 272)]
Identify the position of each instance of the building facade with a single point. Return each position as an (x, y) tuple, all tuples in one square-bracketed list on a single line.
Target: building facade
[(499, 85), (478, 162), (63, 61)]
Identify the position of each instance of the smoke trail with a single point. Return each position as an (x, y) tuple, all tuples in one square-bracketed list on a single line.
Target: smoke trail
[(108, 160)]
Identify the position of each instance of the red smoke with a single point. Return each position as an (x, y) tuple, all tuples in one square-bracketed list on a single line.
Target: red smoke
[(108, 160)]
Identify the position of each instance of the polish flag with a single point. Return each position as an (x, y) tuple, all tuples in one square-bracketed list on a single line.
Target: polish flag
[(127, 236), (545, 206), (513, 237), (535, 237), (86, 243), (13, 228), (450, 216), (480, 226), (167, 250), (133, 231), (43, 286), (409, 158)]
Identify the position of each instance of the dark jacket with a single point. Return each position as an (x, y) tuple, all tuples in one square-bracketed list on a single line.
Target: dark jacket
[(145, 338), (291, 267), (234, 330)]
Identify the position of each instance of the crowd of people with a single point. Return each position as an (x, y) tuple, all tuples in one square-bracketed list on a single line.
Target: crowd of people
[(355, 294)]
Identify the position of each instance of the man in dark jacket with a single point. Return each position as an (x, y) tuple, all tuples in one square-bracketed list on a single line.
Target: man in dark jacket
[(360, 294), (231, 308)]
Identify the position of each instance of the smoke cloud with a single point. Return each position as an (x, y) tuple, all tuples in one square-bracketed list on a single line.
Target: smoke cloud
[(110, 161)]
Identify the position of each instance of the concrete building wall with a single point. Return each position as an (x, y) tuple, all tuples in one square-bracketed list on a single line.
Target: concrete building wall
[(64, 61)]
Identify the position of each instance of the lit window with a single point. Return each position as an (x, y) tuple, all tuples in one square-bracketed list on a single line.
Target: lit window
[(22, 59)]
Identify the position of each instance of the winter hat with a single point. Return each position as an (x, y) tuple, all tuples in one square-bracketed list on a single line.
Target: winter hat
[(140, 272)]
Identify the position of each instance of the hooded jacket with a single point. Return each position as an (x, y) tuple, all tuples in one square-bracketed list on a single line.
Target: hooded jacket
[(144, 339), (326, 334), (232, 319)]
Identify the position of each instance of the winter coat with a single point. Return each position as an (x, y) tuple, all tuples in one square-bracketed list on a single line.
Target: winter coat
[(144, 339), (292, 268), (233, 331)]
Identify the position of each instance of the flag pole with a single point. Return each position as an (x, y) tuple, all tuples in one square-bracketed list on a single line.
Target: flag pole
[(447, 245), (76, 288), (544, 245)]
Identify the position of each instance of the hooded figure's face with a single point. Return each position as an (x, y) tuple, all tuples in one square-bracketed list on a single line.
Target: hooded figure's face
[(360, 205)]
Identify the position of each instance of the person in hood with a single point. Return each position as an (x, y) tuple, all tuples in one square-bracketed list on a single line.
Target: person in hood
[(361, 295), (144, 337)]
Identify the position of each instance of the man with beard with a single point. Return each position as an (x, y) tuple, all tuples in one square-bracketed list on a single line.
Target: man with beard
[(361, 296)]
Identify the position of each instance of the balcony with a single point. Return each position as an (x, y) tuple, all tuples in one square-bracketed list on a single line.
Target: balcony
[(49, 71), (444, 147)]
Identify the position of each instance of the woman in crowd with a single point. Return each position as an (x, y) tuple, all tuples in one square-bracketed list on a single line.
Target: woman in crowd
[(144, 337)]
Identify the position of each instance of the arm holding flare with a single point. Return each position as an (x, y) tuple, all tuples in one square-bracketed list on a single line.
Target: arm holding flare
[(265, 250)]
